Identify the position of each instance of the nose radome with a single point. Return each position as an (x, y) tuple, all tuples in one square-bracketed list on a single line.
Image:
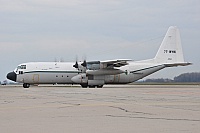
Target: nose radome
[(12, 76)]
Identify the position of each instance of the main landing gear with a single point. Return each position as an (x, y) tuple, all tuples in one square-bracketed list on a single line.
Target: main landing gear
[(91, 86), (26, 85)]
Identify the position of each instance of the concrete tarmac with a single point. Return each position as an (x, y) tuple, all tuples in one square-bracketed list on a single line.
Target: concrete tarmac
[(112, 109)]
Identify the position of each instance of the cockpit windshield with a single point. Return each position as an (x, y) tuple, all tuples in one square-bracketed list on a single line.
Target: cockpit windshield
[(21, 67)]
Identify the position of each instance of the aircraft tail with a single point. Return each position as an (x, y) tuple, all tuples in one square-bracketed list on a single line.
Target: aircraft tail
[(170, 52)]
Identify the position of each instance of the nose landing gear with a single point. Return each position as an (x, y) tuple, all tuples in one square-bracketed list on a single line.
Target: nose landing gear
[(26, 85)]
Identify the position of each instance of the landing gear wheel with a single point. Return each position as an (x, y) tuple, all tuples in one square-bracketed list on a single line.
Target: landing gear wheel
[(26, 85), (84, 85), (91, 86), (99, 86)]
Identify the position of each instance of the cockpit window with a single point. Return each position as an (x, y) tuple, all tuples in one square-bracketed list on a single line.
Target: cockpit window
[(21, 67)]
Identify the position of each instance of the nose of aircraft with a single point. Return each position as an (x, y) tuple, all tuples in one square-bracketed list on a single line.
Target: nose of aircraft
[(12, 76)]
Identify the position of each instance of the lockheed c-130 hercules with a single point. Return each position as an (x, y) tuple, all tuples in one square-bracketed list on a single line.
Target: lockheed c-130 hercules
[(98, 73)]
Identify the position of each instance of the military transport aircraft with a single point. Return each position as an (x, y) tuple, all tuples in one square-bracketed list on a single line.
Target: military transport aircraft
[(98, 73)]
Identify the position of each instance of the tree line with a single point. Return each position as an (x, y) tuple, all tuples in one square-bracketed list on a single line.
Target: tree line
[(185, 77)]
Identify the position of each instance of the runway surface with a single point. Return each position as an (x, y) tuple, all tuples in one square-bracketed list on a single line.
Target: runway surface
[(112, 109)]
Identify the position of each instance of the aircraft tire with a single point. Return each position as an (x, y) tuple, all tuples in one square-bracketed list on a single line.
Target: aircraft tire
[(99, 86), (84, 85), (26, 85), (91, 86)]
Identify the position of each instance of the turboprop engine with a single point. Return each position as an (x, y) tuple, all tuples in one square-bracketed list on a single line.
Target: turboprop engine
[(80, 79), (104, 72), (89, 80)]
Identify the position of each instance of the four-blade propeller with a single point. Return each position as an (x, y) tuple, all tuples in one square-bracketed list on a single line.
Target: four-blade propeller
[(80, 66)]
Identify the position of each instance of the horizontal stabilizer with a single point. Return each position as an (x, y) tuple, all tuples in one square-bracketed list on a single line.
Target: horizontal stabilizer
[(178, 64)]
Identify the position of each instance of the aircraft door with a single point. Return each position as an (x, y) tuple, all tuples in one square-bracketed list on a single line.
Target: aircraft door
[(116, 78), (36, 78)]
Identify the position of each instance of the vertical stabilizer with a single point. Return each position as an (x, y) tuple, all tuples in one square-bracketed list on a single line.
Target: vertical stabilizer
[(170, 50)]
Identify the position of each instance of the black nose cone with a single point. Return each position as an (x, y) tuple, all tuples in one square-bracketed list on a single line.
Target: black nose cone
[(12, 76)]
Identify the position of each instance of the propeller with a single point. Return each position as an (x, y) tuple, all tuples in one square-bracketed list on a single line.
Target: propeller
[(76, 64), (84, 64)]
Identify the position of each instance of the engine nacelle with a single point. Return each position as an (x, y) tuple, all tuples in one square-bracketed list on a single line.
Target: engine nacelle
[(80, 79), (104, 72), (89, 80)]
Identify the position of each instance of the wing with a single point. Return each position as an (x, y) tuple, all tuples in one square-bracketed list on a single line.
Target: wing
[(115, 63)]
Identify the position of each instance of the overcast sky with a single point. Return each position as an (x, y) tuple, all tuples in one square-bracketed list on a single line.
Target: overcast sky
[(49, 30)]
